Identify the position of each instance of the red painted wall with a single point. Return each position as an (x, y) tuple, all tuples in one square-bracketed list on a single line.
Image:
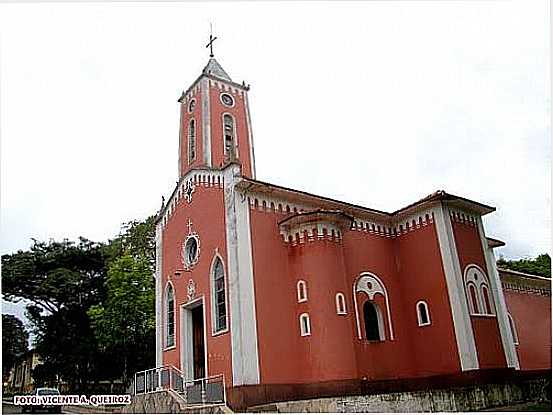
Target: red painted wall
[(532, 316), (328, 351), (366, 252), (488, 342), (425, 280), (486, 330), (333, 350), (208, 220), (275, 292), (217, 109)]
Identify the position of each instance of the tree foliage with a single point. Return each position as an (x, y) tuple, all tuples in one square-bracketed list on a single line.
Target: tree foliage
[(125, 323), (91, 304), (15, 340), (541, 265), (61, 280), (53, 275)]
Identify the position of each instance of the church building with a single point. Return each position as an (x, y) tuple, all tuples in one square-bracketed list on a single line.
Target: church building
[(271, 285)]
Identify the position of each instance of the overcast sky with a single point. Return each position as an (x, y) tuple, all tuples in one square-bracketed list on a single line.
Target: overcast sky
[(374, 103)]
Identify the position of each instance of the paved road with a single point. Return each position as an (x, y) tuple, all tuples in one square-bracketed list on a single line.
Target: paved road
[(10, 408)]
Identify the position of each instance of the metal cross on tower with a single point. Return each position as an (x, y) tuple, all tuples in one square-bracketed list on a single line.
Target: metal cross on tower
[(211, 40)]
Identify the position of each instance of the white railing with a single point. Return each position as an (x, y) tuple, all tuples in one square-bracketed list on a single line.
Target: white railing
[(209, 390), (157, 379), (205, 391)]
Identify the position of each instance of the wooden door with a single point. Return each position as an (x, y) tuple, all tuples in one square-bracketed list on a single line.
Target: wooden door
[(198, 342)]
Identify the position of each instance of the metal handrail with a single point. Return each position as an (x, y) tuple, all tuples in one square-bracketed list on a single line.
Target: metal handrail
[(154, 382)]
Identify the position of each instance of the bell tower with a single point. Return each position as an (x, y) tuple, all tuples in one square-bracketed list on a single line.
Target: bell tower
[(215, 126)]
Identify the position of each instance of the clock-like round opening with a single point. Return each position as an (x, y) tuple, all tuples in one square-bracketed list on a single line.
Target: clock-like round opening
[(192, 105), (227, 100)]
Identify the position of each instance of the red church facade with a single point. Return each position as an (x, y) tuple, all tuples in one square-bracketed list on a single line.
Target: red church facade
[(270, 285)]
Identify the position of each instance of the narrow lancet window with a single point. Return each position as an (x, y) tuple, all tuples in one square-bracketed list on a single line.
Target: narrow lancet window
[(192, 141), (340, 304), (302, 291), (170, 317), (305, 325), (219, 297)]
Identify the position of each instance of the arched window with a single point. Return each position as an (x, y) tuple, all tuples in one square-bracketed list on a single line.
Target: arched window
[(305, 325), (486, 300), (229, 136), (169, 316), (478, 291), (475, 308), (513, 329), (192, 141), (423, 316), (218, 298), (302, 291), (340, 304), (372, 321)]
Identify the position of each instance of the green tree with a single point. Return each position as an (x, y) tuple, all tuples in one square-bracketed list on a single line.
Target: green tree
[(125, 323), (62, 280), (15, 340), (137, 239), (541, 265), (91, 304)]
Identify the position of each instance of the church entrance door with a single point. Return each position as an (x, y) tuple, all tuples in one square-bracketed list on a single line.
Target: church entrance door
[(198, 342), (192, 340)]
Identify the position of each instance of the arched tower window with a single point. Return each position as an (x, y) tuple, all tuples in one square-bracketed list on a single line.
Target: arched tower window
[(305, 325), (191, 141), (340, 304), (218, 298), (372, 320), (169, 316), (302, 291), (423, 315), (229, 137)]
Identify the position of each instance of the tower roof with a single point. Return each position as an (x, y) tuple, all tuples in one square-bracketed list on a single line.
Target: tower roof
[(213, 68)]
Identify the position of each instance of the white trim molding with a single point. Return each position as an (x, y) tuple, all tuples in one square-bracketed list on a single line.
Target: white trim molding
[(514, 332), (420, 319), (301, 290), (166, 345), (186, 341), (476, 277), (250, 134), (341, 308), (371, 285), (243, 316), (206, 121), (159, 295), (499, 299), (464, 334), (305, 325)]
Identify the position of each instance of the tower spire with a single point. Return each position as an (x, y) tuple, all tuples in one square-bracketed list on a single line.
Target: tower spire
[(211, 40)]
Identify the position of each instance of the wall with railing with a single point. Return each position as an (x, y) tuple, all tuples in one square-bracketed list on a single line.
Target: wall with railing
[(205, 391)]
